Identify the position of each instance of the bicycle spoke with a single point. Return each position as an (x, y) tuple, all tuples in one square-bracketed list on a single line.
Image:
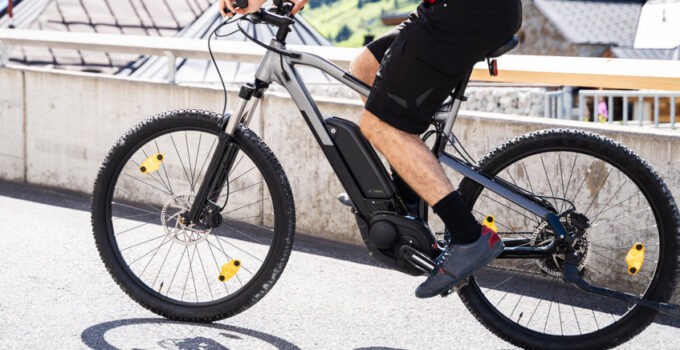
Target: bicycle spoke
[(198, 150), (131, 216), (190, 272), (526, 172), (191, 185), (552, 298), (228, 257), (627, 214), (153, 256), (571, 173), (163, 263), (147, 241), (158, 178), (148, 184), (134, 228), (191, 171), (240, 189), (619, 203), (207, 156), (573, 200), (244, 206), (176, 269), (532, 219), (145, 254), (158, 150), (217, 265), (235, 246), (545, 171), (598, 192), (205, 274), (559, 162), (135, 208)]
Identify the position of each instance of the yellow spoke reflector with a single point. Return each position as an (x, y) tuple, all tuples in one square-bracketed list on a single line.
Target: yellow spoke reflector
[(151, 164), (635, 257), (229, 270)]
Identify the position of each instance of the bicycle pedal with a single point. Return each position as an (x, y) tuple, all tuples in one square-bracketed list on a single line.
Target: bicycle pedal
[(455, 288), (344, 199)]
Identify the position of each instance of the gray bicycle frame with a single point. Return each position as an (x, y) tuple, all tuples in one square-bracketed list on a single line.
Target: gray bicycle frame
[(281, 69)]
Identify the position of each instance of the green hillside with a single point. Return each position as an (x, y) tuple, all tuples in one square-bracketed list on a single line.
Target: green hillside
[(345, 22)]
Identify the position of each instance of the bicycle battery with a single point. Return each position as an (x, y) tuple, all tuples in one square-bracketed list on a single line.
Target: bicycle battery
[(360, 158)]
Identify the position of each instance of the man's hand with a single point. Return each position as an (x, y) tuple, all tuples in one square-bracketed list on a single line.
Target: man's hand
[(299, 4), (253, 5)]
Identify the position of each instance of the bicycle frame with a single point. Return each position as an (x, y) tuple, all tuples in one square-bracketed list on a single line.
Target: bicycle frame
[(275, 67)]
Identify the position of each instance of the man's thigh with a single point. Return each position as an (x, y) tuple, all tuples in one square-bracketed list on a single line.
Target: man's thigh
[(407, 90)]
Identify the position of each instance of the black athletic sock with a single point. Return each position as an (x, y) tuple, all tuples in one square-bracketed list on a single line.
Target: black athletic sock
[(458, 219)]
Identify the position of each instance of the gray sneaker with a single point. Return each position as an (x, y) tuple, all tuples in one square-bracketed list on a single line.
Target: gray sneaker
[(458, 261)]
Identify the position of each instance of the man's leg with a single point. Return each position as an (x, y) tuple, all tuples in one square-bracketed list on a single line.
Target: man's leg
[(409, 156), (405, 152), (416, 164)]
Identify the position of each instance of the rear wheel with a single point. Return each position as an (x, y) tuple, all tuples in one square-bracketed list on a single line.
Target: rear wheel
[(185, 272), (526, 301)]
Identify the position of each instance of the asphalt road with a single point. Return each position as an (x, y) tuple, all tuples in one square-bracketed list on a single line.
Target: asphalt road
[(56, 294)]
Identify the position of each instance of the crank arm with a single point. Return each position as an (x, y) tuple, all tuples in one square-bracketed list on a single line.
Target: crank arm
[(417, 259), (571, 275), (523, 252)]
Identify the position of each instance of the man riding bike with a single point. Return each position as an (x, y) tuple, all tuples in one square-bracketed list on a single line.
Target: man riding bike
[(412, 69)]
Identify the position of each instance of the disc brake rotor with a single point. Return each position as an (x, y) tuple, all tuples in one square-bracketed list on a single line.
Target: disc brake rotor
[(173, 220)]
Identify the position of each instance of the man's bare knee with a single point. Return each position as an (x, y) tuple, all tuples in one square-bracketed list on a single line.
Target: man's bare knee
[(364, 66)]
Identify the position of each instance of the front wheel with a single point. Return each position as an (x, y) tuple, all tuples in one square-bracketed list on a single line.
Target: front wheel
[(185, 272), (526, 301)]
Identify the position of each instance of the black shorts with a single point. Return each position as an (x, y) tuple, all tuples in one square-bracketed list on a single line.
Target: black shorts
[(426, 56)]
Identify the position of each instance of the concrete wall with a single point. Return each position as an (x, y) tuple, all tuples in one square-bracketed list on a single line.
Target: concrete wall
[(58, 126), (12, 132)]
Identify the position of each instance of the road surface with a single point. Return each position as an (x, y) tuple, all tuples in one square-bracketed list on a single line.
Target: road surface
[(56, 294)]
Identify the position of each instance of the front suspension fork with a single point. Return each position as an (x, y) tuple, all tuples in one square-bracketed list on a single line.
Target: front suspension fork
[(205, 202)]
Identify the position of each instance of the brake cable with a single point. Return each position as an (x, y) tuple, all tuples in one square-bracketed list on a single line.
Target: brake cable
[(212, 56)]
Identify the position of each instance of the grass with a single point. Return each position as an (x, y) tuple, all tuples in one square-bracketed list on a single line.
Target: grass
[(328, 19)]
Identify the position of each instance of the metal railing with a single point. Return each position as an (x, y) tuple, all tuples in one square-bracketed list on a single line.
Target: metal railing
[(634, 99), (601, 73), (558, 104), (605, 73)]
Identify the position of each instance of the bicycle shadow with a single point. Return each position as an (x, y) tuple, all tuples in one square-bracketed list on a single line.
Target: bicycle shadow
[(140, 333), (568, 295)]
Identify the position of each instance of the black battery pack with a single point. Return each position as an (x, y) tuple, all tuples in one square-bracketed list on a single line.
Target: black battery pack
[(361, 159)]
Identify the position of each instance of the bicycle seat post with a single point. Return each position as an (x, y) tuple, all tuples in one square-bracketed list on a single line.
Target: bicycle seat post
[(458, 97)]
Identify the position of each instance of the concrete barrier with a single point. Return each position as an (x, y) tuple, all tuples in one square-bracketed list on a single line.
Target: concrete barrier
[(57, 127)]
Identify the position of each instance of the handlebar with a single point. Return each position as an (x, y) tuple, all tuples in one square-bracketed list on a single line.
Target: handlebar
[(280, 8), (277, 15)]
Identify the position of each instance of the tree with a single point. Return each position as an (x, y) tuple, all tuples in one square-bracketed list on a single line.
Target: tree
[(343, 34)]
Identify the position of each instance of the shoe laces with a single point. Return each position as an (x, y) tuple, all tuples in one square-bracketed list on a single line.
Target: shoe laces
[(442, 258)]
